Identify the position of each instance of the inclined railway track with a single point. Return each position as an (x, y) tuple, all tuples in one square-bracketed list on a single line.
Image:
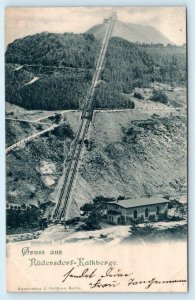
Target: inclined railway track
[(60, 210)]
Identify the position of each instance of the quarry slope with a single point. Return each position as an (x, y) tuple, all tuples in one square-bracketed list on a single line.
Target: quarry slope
[(132, 33), (132, 153)]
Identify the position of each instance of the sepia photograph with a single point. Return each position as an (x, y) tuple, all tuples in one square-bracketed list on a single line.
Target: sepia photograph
[(96, 148)]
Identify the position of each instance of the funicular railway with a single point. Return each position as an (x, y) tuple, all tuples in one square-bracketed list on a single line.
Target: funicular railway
[(72, 162)]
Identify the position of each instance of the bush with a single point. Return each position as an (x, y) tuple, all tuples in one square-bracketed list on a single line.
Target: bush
[(19, 218), (102, 200), (175, 218), (89, 225), (73, 221), (121, 198), (46, 134), (63, 131), (175, 203), (141, 231), (39, 127), (177, 232), (93, 213), (57, 118), (138, 95), (9, 173), (159, 96)]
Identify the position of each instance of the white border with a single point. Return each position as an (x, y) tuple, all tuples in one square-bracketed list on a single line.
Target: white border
[(191, 63)]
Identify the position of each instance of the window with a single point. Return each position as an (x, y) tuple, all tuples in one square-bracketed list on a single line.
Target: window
[(146, 213), (157, 211), (135, 214)]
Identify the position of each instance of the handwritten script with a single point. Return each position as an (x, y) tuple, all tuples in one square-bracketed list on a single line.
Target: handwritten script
[(112, 277)]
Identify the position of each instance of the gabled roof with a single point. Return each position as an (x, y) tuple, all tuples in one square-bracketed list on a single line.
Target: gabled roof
[(137, 202)]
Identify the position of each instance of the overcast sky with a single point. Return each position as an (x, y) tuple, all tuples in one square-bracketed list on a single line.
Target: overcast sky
[(20, 22)]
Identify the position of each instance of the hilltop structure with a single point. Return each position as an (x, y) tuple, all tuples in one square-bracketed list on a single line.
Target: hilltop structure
[(134, 33)]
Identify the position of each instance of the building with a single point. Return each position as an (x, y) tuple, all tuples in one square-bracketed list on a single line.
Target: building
[(106, 20), (138, 210)]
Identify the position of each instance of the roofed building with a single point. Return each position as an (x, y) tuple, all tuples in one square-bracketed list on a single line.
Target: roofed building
[(137, 210)]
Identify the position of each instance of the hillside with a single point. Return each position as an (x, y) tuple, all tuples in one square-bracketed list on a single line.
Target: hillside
[(131, 32), (53, 74), (129, 65), (54, 49), (57, 71), (34, 170), (46, 88), (17, 130), (133, 154)]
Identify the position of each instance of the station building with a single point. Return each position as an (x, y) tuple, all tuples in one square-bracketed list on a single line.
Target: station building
[(145, 209)]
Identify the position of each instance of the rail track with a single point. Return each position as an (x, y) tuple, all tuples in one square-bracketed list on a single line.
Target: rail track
[(72, 162)]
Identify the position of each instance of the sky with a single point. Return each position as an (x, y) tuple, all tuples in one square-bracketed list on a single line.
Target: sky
[(20, 22)]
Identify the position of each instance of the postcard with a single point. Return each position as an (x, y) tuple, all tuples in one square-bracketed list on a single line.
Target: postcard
[(96, 149)]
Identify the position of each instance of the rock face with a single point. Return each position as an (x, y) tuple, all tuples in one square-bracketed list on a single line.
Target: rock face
[(132, 154), (132, 33)]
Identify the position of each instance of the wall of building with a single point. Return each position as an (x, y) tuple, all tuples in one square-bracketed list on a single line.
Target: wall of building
[(152, 212), (129, 215), (113, 219)]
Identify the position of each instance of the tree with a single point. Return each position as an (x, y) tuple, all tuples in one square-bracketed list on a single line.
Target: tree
[(138, 95), (23, 206), (160, 96), (94, 212)]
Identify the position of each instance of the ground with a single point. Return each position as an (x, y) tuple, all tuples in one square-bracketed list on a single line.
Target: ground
[(177, 97), (161, 231), (112, 235)]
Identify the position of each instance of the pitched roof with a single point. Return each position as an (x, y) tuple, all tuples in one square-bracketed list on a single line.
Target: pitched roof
[(137, 202)]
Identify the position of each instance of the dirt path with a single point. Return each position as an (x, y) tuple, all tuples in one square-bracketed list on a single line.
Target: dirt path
[(29, 138)]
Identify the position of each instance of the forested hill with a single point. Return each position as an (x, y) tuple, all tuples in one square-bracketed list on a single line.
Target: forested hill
[(50, 71), (66, 49), (54, 71), (139, 64), (129, 65)]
